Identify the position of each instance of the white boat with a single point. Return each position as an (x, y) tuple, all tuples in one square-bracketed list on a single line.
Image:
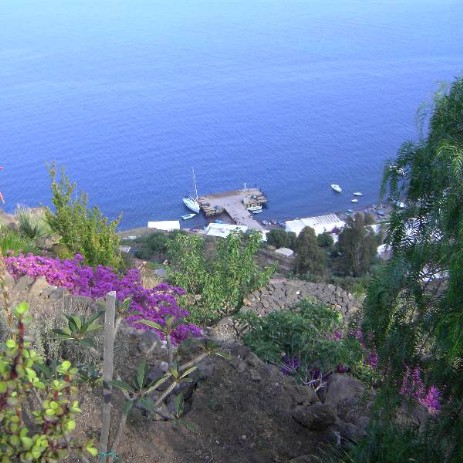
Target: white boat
[(336, 187), (355, 200), (188, 216), (357, 193), (190, 201), (255, 209)]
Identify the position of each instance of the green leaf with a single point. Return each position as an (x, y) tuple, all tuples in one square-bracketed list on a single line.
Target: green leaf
[(152, 324), (141, 372), (147, 403), (121, 385)]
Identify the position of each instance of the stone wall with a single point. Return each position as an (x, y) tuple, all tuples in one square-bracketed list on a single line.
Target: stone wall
[(283, 294)]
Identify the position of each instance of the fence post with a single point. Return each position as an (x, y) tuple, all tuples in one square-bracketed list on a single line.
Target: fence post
[(108, 370)]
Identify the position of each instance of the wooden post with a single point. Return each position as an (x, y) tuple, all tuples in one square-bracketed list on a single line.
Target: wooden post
[(108, 369)]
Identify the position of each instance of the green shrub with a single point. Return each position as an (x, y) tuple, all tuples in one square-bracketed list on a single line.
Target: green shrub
[(12, 242), (82, 230), (37, 417), (33, 224), (281, 239), (325, 240), (217, 275), (308, 337)]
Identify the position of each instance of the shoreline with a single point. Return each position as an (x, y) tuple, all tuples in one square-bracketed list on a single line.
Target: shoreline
[(270, 224)]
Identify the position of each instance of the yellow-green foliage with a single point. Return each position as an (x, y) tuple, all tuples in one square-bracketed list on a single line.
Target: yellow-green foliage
[(82, 230), (37, 417)]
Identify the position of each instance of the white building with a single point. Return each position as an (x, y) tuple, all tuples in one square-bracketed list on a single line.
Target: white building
[(166, 225), (321, 224), (224, 229)]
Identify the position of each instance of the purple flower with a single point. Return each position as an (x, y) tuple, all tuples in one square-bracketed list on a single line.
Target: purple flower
[(289, 365), (153, 304), (432, 400), (413, 387)]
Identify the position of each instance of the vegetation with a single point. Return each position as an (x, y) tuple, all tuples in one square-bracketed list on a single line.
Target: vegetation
[(37, 416), (14, 243), (281, 239), (218, 276), (307, 341), (356, 247), (82, 230), (154, 247), (413, 308), (310, 259)]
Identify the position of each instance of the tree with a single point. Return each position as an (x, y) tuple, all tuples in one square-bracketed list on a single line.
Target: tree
[(309, 257), (357, 246), (216, 277), (325, 240), (281, 238), (414, 308), (82, 230)]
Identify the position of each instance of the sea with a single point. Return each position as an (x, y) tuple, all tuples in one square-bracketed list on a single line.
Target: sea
[(288, 95)]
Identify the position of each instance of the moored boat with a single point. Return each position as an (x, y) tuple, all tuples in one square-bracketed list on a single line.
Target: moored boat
[(188, 216), (190, 201)]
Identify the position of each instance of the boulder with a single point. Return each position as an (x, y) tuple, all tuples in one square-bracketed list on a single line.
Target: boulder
[(342, 388), (316, 417)]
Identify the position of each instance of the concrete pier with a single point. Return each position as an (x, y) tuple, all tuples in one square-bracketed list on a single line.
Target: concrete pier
[(235, 204)]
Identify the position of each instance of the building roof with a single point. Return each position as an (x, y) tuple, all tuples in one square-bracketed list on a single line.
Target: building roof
[(285, 252), (224, 229), (321, 224), (166, 225)]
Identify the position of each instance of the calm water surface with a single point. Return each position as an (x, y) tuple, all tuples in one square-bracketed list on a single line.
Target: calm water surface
[(290, 95)]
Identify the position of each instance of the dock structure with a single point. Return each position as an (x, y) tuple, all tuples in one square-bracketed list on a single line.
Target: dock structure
[(235, 204)]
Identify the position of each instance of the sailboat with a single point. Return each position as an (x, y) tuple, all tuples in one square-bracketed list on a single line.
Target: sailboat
[(190, 201)]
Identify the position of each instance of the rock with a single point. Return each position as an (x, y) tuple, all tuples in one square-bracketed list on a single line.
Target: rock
[(305, 459), (8, 280), (38, 287), (349, 431), (316, 417), (57, 294), (23, 284), (301, 395), (205, 369), (341, 388), (240, 366), (255, 375), (224, 330), (149, 341), (253, 360)]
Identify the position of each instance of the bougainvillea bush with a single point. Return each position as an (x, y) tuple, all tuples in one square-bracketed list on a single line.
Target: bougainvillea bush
[(150, 304)]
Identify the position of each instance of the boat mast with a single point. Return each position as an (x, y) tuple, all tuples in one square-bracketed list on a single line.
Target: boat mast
[(194, 184)]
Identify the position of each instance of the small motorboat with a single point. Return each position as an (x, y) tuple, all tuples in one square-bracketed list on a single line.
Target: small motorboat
[(188, 216), (358, 193), (255, 209), (336, 187), (355, 200)]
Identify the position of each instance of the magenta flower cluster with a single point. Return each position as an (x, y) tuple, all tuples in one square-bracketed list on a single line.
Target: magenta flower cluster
[(413, 387), (152, 304)]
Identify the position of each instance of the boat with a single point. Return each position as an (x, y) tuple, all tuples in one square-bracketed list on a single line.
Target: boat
[(190, 201), (336, 187), (357, 193), (355, 200), (255, 209), (188, 216)]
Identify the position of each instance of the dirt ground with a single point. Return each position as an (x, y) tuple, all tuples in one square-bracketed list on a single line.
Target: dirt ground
[(237, 414)]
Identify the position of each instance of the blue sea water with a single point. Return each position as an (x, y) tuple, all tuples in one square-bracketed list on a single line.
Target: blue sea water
[(289, 95)]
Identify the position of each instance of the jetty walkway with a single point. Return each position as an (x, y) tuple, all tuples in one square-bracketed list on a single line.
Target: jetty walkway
[(235, 204)]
